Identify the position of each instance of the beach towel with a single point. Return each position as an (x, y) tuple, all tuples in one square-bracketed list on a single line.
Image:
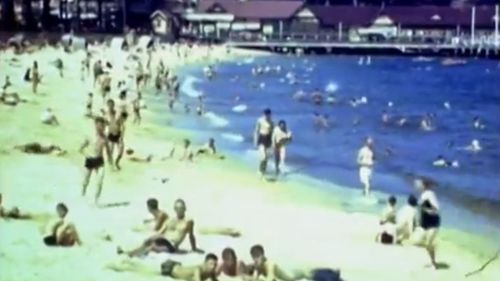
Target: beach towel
[(326, 275)]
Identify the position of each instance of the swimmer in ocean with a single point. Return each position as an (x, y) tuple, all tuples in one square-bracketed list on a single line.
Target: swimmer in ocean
[(477, 124), (475, 146)]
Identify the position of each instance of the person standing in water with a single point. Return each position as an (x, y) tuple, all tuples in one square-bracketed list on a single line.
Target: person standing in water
[(366, 161), (94, 162), (430, 220), (281, 137), (263, 138)]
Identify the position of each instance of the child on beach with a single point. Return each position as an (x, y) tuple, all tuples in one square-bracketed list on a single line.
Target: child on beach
[(61, 232), (387, 234)]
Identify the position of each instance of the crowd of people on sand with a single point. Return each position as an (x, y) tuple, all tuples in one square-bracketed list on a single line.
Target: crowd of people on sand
[(418, 220), (106, 148)]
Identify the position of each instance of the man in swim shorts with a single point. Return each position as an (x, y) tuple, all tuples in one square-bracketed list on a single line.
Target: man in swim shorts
[(94, 160), (263, 138), (168, 239)]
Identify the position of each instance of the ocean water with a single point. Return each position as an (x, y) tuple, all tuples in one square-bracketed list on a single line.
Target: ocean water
[(236, 98)]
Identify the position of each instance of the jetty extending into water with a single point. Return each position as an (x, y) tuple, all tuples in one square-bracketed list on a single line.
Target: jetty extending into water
[(325, 45)]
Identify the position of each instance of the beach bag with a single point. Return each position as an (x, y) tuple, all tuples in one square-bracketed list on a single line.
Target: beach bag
[(326, 275)]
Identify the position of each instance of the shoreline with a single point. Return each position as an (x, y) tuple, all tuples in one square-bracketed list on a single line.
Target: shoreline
[(478, 211), (349, 234)]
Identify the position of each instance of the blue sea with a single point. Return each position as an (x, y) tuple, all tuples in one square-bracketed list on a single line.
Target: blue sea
[(414, 88)]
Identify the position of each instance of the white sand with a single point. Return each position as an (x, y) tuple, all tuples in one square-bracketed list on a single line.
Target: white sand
[(299, 226)]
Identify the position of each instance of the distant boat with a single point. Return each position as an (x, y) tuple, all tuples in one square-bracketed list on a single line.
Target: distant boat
[(453, 62)]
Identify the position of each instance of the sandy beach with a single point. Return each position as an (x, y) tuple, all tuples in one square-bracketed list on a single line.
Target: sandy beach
[(299, 226)]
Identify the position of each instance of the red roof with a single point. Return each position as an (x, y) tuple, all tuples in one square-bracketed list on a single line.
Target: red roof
[(347, 15), (256, 9)]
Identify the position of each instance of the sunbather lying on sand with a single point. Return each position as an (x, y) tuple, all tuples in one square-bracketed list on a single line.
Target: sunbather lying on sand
[(37, 148), (13, 213), (11, 99), (263, 269), (173, 269), (61, 232)]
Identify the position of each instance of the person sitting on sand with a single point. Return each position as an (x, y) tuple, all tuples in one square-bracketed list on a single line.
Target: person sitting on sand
[(61, 232), (281, 138), (13, 213), (49, 118), (389, 212), (187, 152), (406, 219), (37, 148), (159, 216), (230, 265), (209, 149), (264, 269), (387, 234), (170, 237), (94, 161), (206, 271)]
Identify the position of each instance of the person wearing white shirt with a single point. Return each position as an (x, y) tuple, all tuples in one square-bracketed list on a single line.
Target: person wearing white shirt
[(48, 117), (281, 137), (366, 161), (430, 220)]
